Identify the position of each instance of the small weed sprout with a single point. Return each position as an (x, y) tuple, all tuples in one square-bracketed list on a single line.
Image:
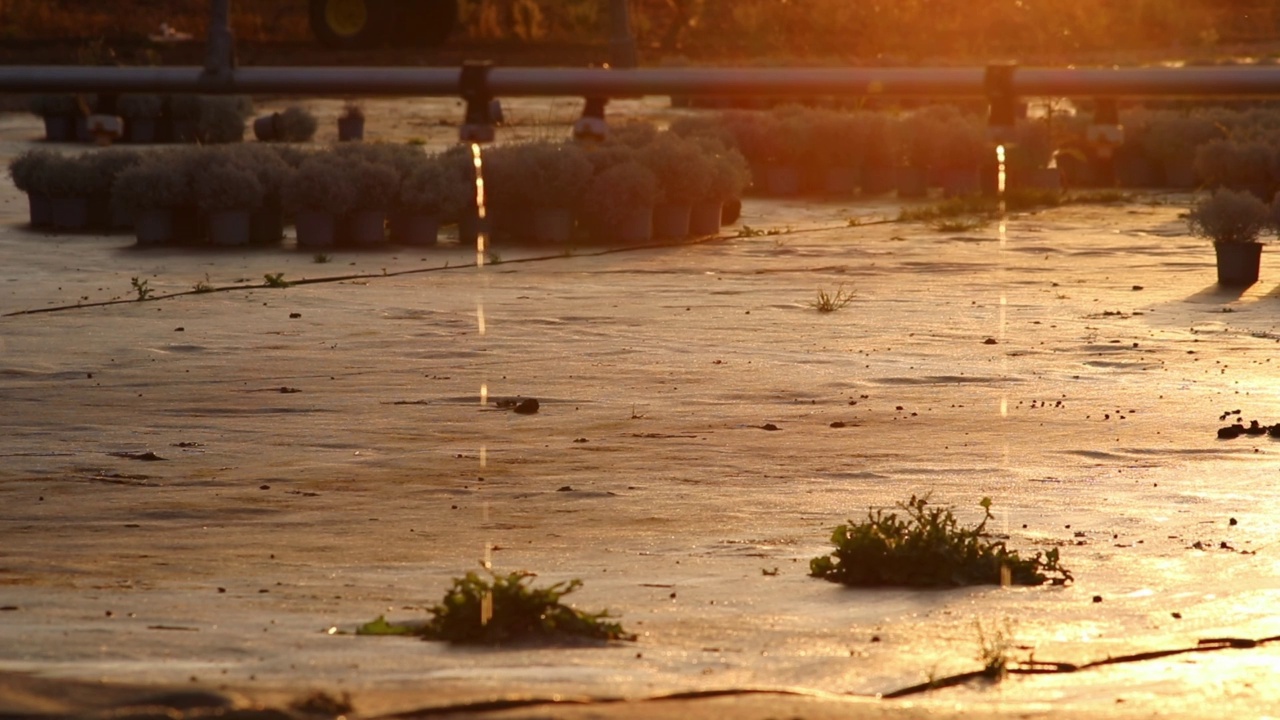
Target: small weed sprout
[(1099, 197), (929, 548), (140, 287), (830, 302), (275, 280), (746, 231), (321, 258), (959, 224), (203, 286), (994, 646)]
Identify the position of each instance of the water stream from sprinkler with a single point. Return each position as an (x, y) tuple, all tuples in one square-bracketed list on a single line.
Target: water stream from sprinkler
[(482, 242), (1002, 236)]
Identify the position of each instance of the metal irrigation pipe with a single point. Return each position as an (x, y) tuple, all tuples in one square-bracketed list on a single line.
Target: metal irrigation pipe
[(603, 83)]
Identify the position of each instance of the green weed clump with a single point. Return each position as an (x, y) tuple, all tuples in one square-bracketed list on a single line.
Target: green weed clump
[(972, 211), (927, 547), (978, 206), (507, 610)]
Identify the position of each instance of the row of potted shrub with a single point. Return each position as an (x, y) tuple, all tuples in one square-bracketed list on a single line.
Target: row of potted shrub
[(1178, 149), (795, 150), (147, 118), (369, 193)]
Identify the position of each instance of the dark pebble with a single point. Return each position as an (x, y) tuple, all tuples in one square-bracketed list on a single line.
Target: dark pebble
[(528, 406)]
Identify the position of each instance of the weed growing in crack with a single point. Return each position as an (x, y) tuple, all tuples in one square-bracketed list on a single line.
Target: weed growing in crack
[(476, 611), (929, 548), (275, 280), (203, 286), (957, 207), (994, 646), (830, 302), (980, 207), (321, 258), (140, 287)]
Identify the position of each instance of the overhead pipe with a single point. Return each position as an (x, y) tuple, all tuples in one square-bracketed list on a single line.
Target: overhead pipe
[(1217, 82)]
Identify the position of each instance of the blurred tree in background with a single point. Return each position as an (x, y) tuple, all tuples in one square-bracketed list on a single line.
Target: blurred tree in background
[(896, 31)]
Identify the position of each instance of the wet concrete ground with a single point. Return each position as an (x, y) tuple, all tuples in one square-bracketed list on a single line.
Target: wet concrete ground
[(1071, 364)]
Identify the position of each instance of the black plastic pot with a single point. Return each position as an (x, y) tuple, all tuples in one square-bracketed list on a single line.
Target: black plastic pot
[(1238, 263)]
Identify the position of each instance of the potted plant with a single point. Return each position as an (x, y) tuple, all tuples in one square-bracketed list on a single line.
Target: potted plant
[(698, 127), (24, 170), (430, 197), (507, 173), (558, 176), (222, 118), (1134, 168), (634, 134), (375, 187), (59, 113), (1027, 158), (319, 194), (684, 176), (916, 142), (141, 115), (105, 167), (292, 155), (1172, 140), (620, 201), (405, 160), (730, 175), (183, 113), (960, 149), (459, 166), (266, 221), (835, 151), (293, 124), (753, 134), (149, 192), (65, 180), (267, 128), (880, 156), (227, 193), (1237, 165), (788, 144), (351, 123), (1235, 222)]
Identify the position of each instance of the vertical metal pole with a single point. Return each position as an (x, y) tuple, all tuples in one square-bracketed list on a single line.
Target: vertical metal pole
[(622, 45), (220, 49)]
